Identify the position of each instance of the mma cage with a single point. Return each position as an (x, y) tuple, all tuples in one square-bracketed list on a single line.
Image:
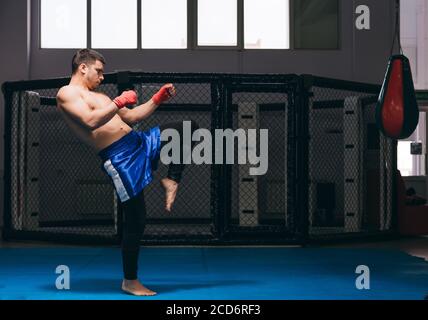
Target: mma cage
[(330, 172)]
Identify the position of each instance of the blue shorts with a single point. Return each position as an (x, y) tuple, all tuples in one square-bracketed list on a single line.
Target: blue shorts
[(129, 161)]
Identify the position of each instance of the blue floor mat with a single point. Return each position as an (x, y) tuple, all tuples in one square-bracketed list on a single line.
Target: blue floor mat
[(215, 273)]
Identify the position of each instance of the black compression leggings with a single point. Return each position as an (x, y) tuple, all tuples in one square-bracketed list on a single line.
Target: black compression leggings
[(134, 216), (134, 213)]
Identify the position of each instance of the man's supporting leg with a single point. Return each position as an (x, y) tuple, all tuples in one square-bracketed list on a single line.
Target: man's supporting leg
[(134, 216), (134, 213)]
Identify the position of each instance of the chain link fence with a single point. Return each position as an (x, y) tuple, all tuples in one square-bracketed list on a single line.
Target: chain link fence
[(258, 201), (57, 186), (350, 163), (192, 214), (323, 170)]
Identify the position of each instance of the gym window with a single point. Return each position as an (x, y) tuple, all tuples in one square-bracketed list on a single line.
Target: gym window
[(217, 22), (414, 34), (114, 24), (266, 24), (63, 24), (169, 32), (413, 164), (316, 24), (413, 26), (189, 24)]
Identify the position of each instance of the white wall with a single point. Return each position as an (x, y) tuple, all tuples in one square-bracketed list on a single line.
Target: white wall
[(414, 38)]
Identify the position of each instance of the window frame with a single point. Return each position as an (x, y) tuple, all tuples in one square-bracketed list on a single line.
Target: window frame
[(240, 29), (420, 76), (192, 41), (290, 30), (189, 29), (38, 18), (89, 29), (339, 29), (37, 12), (419, 165)]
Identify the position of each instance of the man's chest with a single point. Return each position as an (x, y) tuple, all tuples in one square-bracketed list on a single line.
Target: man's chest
[(95, 100)]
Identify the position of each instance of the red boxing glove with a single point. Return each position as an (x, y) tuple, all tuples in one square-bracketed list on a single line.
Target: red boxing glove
[(125, 99), (164, 94)]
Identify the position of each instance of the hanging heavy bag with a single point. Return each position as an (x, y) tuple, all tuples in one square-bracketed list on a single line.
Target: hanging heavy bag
[(397, 112)]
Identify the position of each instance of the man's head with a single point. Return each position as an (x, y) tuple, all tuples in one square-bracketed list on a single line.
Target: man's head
[(89, 65)]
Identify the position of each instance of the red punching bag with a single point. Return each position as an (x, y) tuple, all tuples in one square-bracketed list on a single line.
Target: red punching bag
[(397, 112)]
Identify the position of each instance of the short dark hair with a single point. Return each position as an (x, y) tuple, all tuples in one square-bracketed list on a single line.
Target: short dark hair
[(87, 56)]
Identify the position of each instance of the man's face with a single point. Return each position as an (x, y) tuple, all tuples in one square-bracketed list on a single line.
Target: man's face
[(94, 74)]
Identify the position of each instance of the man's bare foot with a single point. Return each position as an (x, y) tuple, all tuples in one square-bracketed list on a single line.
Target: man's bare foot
[(171, 188), (136, 288)]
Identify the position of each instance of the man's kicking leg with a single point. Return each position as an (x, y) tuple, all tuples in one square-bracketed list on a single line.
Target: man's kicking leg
[(170, 183), (134, 215)]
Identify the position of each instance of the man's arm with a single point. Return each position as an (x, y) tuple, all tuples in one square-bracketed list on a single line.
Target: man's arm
[(143, 111), (138, 114), (70, 101)]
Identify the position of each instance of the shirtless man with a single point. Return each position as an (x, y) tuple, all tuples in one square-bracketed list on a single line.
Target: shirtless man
[(128, 156)]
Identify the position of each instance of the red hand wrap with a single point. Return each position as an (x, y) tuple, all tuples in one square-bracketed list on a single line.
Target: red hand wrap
[(163, 94), (125, 99)]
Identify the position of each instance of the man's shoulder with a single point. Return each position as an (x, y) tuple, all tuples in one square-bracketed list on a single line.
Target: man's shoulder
[(67, 92)]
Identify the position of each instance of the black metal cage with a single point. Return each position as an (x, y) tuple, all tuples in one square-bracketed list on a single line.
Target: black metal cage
[(328, 172)]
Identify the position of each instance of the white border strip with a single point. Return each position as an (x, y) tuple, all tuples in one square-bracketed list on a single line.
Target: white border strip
[(118, 184)]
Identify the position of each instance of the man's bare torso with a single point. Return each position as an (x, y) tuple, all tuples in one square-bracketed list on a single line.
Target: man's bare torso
[(103, 136)]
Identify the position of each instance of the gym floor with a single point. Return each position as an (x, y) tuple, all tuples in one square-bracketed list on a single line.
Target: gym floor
[(398, 271), (414, 246)]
